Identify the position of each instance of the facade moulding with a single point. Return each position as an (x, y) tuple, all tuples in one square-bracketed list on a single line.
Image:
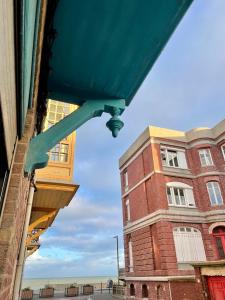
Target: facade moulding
[(176, 216), (160, 278), (173, 174)]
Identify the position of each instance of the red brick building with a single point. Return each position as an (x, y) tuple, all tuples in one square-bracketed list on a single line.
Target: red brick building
[(173, 198)]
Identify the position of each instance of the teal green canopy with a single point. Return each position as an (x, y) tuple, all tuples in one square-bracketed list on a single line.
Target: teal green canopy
[(98, 53), (105, 48)]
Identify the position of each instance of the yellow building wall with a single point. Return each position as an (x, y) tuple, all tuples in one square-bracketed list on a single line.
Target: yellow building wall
[(59, 170)]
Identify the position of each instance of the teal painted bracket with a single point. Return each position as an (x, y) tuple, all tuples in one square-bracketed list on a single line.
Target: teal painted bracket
[(37, 157)]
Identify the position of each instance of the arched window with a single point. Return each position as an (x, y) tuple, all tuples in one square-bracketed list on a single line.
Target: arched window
[(188, 244), (144, 291), (180, 194), (159, 292), (132, 290), (219, 236)]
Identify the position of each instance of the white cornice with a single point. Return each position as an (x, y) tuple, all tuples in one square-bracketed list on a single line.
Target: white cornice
[(173, 174), (188, 215), (158, 278)]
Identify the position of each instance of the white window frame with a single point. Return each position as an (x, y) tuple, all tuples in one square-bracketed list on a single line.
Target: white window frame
[(189, 244), (207, 157), (128, 209), (187, 192), (223, 150), (180, 156), (214, 187)]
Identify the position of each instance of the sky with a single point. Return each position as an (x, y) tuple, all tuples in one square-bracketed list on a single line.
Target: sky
[(184, 89)]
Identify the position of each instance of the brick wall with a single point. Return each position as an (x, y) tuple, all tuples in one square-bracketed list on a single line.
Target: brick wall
[(153, 245), (13, 215)]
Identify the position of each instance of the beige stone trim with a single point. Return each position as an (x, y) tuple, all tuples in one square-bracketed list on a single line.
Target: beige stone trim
[(137, 185), (159, 278), (188, 215), (211, 227), (179, 173), (213, 271)]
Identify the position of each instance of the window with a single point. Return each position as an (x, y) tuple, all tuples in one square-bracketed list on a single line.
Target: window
[(205, 157), (144, 291), (132, 290), (188, 244), (173, 158), (223, 150), (59, 153), (131, 263), (219, 236), (128, 210), (180, 194), (214, 193), (126, 181)]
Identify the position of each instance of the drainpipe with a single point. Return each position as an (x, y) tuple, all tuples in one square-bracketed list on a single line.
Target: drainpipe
[(21, 260)]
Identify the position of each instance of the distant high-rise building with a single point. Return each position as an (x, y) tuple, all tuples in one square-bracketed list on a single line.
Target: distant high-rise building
[(173, 198)]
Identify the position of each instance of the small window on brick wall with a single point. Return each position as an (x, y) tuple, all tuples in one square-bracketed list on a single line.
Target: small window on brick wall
[(180, 194), (127, 210), (205, 157), (223, 150), (126, 183), (215, 195)]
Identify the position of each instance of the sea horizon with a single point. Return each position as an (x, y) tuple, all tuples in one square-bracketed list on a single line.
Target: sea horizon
[(37, 283)]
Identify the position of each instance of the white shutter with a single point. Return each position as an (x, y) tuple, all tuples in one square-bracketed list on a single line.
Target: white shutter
[(190, 197), (182, 160), (189, 246), (178, 246)]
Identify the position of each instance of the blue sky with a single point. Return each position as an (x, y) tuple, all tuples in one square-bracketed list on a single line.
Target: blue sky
[(185, 89)]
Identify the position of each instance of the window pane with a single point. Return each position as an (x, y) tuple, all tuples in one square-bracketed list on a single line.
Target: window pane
[(202, 158), (208, 157), (64, 148), (169, 196), (52, 107), (220, 248), (175, 161), (51, 116), (223, 151), (163, 157), (176, 195), (211, 193), (60, 108), (217, 193), (182, 198)]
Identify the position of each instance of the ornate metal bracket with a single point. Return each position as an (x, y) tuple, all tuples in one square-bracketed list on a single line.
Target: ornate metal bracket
[(37, 157)]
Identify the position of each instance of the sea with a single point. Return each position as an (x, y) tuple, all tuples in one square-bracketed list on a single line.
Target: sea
[(37, 283)]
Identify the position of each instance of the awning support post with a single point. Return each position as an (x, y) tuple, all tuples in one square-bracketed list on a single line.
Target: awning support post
[(37, 157)]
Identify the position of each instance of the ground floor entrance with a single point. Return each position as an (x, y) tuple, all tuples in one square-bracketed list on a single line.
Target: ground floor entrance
[(216, 285)]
